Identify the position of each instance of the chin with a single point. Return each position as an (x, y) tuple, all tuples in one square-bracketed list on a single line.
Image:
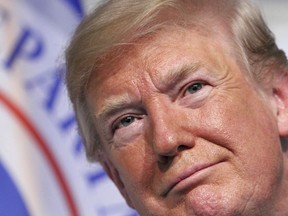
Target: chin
[(211, 200), (207, 201)]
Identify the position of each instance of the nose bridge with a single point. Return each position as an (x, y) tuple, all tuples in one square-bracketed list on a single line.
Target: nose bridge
[(167, 128)]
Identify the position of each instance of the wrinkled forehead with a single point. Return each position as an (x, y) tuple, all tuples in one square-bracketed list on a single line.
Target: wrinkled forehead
[(167, 51), (124, 53), (204, 16)]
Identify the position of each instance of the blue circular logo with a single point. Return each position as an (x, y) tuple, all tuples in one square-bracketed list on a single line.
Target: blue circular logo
[(11, 202)]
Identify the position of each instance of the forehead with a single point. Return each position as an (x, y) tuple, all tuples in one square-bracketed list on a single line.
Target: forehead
[(155, 57)]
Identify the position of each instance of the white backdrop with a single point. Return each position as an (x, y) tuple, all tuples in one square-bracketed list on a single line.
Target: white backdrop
[(276, 14)]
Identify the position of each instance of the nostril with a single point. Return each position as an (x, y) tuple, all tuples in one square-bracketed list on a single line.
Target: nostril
[(165, 160), (182, 147)]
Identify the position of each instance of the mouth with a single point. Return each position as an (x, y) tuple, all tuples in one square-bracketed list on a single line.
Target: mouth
[(188, 178)]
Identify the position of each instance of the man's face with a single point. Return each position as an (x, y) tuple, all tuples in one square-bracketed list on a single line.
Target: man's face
[(185, 132)]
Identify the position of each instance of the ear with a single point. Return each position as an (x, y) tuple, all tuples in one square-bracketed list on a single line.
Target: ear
[(281, 98), (115, 177)]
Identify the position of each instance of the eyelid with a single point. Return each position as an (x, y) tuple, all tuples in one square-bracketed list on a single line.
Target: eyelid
[(116, 121), (184, 89), (112, 112)]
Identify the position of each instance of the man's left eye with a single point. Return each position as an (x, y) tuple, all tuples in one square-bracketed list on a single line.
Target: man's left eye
[(195, 87)]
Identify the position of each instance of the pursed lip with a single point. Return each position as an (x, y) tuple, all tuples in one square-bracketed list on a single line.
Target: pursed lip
[(184, 175)]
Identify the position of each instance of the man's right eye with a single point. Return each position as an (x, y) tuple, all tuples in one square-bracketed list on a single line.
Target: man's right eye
[(124, 122)]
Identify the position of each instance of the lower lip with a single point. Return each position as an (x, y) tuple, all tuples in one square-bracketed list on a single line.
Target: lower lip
[(193, 180)]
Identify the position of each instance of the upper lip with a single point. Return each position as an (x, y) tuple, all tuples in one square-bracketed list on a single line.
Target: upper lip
[(183, 175)]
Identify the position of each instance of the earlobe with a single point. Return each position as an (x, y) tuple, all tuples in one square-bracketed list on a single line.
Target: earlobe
[(115, 177), (281, 99)]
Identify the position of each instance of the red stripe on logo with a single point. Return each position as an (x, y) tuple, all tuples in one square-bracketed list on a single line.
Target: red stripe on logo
[(45, 150)]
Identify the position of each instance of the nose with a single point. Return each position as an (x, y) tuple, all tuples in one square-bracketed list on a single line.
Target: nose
[(170, 130)]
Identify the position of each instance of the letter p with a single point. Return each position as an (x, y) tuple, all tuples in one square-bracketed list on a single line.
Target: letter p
[(28, 46)]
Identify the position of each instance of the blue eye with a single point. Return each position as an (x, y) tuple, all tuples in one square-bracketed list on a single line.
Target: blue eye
[(195, 87), (126, 121)]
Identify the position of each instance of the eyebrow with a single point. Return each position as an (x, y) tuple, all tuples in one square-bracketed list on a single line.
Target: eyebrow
[(115, 104), (176, 75)]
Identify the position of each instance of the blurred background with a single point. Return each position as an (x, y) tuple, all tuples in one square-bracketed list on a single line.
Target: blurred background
[(43, 170)]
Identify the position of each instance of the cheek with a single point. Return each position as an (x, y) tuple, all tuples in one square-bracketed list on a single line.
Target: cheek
[(243, 115), (134, 163), (244, 125)]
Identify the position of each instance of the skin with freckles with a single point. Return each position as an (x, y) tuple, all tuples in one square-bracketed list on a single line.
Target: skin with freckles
[(186, 132)]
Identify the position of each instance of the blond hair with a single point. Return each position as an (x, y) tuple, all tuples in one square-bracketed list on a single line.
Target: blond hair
[(117, 22)]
